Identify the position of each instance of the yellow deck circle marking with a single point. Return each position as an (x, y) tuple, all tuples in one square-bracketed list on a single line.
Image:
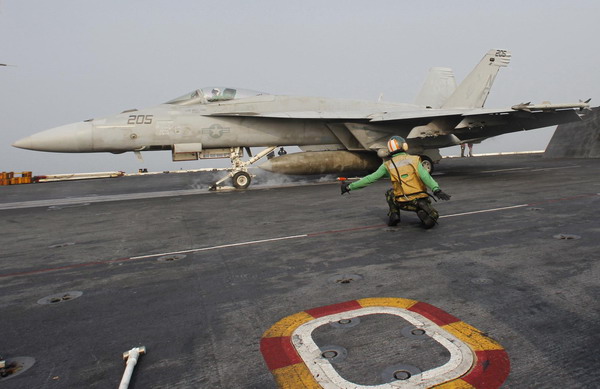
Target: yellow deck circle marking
[(295, 360)]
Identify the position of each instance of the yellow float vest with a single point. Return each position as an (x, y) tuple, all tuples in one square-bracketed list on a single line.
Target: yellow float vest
[(404, 172)]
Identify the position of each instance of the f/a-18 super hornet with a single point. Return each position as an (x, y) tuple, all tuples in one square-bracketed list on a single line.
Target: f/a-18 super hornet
[(335, 135)]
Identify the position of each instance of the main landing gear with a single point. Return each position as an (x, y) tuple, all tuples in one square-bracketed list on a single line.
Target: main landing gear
[(427, 163), (239, 174)]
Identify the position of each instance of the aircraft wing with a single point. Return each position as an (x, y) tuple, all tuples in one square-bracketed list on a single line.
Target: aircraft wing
[(429, 128), (493, 124), (431, 114), (450, 127), (527, 120), (399, 116), (482, 118), (355, 115)]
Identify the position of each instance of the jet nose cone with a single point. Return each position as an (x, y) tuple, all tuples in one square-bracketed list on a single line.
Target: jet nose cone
[(71, 138), (22, 143)]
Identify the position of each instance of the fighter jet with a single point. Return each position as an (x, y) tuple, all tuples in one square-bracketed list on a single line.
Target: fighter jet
[(335, 135)]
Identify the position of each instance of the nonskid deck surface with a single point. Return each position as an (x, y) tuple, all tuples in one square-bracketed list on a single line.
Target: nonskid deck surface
[(197, 277)]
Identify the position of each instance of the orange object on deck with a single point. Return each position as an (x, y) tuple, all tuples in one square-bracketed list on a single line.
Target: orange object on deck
[(8, 178)]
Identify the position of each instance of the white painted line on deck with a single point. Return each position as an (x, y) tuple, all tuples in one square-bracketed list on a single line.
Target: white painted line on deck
[(100, 199), (498, 154), (555, 168), (222, 246), (86, 200), (485, 210), (531, 170), (253, 242), (505, 170)]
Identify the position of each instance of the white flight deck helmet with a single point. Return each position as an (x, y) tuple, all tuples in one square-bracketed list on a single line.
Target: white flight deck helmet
[(397, 144)]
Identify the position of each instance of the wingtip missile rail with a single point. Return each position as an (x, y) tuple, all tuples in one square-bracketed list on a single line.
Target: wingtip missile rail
[(547, 106)]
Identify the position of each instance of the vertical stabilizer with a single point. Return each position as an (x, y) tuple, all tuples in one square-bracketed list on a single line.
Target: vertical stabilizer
[(474, 90), (438, 87)]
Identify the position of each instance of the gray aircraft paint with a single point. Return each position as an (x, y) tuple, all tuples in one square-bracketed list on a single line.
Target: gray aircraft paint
[(218, 118)]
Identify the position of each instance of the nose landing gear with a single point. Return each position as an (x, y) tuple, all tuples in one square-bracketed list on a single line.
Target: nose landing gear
[(239, 174)]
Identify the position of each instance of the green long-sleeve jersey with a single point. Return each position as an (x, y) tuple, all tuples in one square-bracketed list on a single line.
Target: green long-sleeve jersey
[(382, 172)]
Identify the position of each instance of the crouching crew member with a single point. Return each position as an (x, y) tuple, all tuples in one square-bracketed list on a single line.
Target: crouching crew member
[(410, 181)]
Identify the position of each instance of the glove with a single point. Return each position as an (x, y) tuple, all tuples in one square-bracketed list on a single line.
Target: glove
[(441, 195), (345, 187)]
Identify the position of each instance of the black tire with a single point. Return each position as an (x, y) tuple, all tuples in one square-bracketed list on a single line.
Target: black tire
[(241, 180), (427, 164)]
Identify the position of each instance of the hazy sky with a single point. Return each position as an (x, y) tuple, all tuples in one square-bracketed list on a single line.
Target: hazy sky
[(76, 60)]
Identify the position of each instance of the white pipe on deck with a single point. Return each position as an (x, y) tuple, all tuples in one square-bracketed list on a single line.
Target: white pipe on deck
[(132, 357)]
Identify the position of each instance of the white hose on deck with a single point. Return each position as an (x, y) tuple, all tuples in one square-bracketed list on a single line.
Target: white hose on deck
[(132, 358)]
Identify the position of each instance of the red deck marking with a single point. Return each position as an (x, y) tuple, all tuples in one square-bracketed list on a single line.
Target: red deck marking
[(434, 314), (550, 201), (279, 352), (335, 308), (66, 267), (490, 371)]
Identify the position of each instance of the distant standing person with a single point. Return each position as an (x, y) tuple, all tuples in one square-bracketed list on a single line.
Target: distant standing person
[(410, 181), (462, 149)]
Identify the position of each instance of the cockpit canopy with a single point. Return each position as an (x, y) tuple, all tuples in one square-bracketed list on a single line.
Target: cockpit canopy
[(213, 94)]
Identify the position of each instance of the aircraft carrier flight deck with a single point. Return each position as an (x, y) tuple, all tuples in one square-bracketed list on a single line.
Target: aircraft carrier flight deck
[(215, 285)]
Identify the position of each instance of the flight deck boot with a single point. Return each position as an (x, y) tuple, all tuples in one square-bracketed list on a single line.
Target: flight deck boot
[(427, 213), (394, 219)]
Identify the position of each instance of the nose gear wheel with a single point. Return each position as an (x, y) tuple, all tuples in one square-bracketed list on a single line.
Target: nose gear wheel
[(238, 172), (241, 180)]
